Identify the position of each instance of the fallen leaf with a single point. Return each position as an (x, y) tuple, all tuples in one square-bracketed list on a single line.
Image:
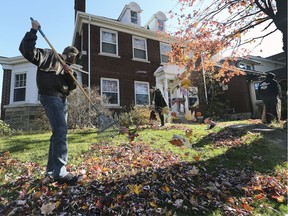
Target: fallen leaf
[(177, 142), (48, 208)]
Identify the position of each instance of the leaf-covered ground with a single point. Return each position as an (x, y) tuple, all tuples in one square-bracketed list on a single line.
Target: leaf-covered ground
[(134, 179)]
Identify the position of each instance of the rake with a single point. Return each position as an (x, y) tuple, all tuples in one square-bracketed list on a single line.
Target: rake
[(104, 122)]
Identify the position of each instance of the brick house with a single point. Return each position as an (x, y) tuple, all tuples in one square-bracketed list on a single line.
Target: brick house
[(121, 56)]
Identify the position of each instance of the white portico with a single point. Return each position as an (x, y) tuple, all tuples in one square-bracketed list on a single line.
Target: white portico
[(176, 97)]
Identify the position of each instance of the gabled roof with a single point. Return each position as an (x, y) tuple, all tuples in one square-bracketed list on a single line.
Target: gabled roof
[(132, 5), (13, 60), (281, 73), (278, 57), (270, 60)]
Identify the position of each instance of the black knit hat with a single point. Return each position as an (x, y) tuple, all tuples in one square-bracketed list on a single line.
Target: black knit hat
[(71, 50), (270, 75)]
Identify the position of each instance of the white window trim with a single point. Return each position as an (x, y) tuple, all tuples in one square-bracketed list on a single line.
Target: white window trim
[(117, 45), (146, 50), (162, 26), (137, 19), (148, 93), (118, 93), (254, 91), (165, 44), (13, 88)]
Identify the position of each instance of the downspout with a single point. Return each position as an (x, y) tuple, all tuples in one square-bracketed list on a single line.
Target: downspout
[(248, 81), (204, 79), (89, 57)]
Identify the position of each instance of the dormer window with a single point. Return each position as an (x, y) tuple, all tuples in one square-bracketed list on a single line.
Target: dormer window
[(131, 14), (157, 22), (134, 17), (160, 25)]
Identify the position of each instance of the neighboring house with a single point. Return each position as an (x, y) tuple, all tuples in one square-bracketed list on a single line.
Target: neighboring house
[(19, 103), (241, 93)]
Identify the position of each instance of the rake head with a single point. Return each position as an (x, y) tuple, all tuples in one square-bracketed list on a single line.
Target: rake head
[(105, 122)]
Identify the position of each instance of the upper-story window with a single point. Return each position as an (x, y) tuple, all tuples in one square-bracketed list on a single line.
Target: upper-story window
[(110, 89), (160, 25), (245, 66), (109, 42), (164, 50), (134, 17), (139, 48), (19, 87), (141, 93)]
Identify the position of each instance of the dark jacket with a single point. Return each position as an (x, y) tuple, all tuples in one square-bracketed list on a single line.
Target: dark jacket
[(47, 81), (269, 88), (159, 100)]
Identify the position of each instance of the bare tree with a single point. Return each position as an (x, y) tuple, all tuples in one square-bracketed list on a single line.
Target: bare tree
[(226, 20)]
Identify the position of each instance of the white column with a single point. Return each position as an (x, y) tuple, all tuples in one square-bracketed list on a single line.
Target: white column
[(166, 89)]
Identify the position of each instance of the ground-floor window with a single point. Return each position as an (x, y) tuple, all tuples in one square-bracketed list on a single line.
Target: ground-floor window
[(110, 90), (19, 87), (142, 96), (256, 86)]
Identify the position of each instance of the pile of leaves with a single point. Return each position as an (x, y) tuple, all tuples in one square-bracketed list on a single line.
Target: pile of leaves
[(134, 179), (227, 138)]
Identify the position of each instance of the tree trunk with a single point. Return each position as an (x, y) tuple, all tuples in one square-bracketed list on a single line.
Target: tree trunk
[(280, 20)]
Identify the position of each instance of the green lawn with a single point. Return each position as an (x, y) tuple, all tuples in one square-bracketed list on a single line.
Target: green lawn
[(223, 171)]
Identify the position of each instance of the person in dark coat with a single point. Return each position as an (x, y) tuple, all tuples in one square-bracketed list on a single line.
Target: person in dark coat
[(159, 103), (270, 92), (54, 82)]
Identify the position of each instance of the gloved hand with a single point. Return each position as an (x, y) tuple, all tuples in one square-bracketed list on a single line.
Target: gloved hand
[(67, 69), (35, 25)]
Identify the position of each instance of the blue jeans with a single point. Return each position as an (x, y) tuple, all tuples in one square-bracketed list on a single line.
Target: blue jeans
[(56, 110)]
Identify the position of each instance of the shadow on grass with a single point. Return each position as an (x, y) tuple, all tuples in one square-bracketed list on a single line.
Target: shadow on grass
[(172, 187)]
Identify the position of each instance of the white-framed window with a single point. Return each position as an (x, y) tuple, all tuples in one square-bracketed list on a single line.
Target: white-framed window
[(19, 87), (134, 17), (256, 86), (139, 48), (160, 25), (245, 66), (142, 93), (109, 42), (110, 90), (164, 50)]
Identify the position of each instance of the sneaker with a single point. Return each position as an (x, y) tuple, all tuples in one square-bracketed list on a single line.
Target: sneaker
[(212, 125), (69, 179)]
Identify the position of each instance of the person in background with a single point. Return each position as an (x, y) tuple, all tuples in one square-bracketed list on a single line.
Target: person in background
[(152, 118), (270, 92), (159, 103), (53, 90)]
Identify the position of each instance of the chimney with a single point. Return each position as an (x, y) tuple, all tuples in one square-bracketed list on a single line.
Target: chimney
[(79, 5)]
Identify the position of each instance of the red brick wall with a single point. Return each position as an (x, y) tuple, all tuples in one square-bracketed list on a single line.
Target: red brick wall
[(238, 94), (79, 5), (124, 68), (5, 91)]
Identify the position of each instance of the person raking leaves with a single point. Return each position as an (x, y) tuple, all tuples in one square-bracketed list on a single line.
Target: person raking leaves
[(159, 103), (270, 92), (55, 82)]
